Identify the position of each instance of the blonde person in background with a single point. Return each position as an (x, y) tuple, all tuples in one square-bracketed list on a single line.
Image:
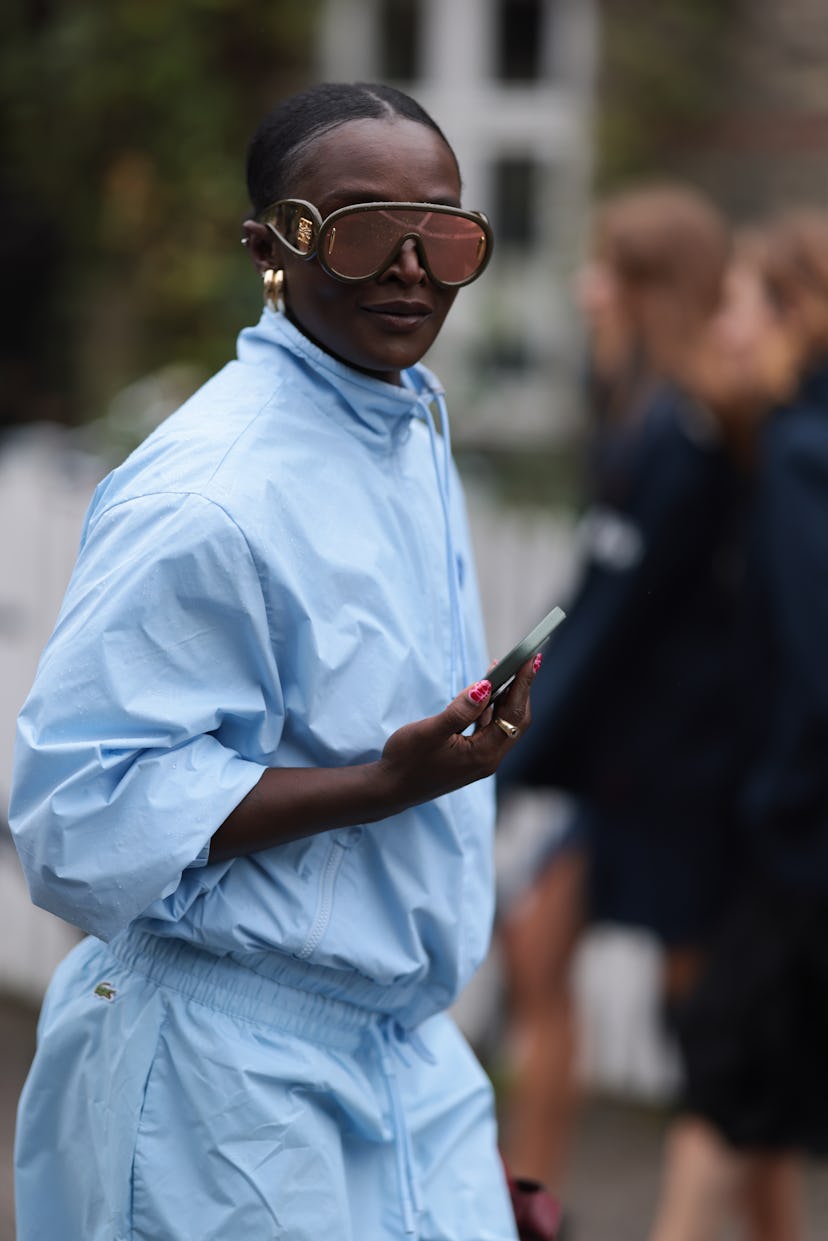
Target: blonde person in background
[(754, 1032)]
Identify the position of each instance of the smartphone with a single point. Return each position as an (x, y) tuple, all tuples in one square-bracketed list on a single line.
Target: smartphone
[(503, 673)]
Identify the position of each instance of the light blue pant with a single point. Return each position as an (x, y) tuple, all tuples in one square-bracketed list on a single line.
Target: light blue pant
[(177, 1097)]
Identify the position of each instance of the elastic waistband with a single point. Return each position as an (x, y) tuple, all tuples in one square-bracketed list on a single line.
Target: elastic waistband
[(223, 985)]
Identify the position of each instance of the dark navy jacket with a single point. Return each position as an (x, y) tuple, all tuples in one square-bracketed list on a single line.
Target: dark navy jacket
[(634, 700), (638, 708), (786, 806)]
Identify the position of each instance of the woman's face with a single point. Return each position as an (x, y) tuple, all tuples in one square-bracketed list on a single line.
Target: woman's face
[(747, 361), (385, 323)]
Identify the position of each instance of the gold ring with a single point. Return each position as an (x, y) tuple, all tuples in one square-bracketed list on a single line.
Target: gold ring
[(511, 730)]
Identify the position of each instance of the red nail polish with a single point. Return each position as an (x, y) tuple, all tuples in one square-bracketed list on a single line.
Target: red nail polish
[(480, 691), (537, 661)]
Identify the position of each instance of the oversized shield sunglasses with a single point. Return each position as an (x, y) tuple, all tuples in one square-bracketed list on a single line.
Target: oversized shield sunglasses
[(358, 242)]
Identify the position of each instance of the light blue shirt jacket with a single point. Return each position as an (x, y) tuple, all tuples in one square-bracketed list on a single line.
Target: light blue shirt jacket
[(280, 575)]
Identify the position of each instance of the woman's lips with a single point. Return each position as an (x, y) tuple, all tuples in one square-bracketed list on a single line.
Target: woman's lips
[(399, 315)]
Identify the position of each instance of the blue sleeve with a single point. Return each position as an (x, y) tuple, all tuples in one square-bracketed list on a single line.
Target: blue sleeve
[(154, 707)]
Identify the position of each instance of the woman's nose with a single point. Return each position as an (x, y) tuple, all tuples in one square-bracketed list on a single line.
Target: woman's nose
[(407, 263)]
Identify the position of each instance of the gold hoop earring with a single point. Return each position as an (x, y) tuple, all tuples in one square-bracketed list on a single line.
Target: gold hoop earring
[(274, 289)]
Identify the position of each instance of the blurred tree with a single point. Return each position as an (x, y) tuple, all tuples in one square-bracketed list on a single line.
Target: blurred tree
[(122, 186), (663, 74)]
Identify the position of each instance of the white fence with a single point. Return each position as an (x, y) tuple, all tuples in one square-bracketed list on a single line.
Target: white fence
[(525, 561), (45, 487)]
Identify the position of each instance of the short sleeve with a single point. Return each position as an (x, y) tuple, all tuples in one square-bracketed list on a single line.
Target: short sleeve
[(154, 709)]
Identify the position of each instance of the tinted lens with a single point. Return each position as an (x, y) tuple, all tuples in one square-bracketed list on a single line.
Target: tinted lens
[(359, 243), (455, 245)]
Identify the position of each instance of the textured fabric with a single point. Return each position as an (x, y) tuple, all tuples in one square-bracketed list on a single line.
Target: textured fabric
[(178, 1098), (265, 582)]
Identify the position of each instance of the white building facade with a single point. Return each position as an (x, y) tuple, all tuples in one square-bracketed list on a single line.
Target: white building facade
[(511, 84)]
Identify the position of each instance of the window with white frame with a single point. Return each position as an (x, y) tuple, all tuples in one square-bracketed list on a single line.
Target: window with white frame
[(399, 39), (521, 39), (515, 201)]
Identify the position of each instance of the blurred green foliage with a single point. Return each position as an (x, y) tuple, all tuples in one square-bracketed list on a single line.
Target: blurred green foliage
[(124, 128), (663, 76), (125, 125)]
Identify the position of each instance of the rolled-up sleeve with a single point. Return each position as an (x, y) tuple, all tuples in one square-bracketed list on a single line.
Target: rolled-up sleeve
[(154, 708)]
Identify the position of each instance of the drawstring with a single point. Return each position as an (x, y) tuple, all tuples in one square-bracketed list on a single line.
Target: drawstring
[(443, 473), (389, 1036)]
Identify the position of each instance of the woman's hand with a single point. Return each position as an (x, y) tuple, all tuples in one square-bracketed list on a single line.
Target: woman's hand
[(437, 755), (420, 761)]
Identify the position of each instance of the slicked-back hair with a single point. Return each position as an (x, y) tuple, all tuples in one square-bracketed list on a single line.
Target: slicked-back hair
[(287, 128)]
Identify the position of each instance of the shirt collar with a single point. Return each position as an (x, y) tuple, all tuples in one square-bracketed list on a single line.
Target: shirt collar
[(377, 406)]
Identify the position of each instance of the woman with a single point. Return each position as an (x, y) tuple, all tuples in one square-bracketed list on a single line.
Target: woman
[(635, 713), (284, 880), (754, 1031)]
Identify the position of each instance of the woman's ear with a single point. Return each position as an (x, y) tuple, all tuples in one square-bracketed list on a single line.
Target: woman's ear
[(262, 245)]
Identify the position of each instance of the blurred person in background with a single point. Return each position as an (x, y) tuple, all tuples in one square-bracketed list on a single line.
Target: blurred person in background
[(637, 713), (754, 1031), (253, 763)]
